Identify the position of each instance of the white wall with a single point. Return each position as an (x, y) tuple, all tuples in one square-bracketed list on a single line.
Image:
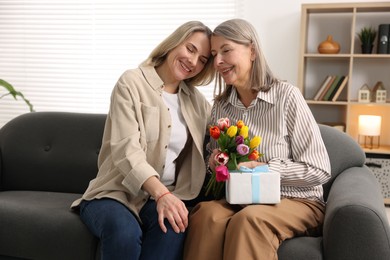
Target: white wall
[(278, 25)]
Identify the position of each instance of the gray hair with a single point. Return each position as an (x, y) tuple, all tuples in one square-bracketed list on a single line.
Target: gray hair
[(242, 32)]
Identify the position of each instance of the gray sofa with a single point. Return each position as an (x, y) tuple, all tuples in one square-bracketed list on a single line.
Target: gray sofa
[(48, 158)]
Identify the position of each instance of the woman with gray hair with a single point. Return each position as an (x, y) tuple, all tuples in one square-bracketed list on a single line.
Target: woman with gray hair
[(291, 143), (151, 159)]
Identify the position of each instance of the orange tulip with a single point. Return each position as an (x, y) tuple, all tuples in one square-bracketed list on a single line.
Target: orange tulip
[(240, 124), (254, 155), (215, 132)]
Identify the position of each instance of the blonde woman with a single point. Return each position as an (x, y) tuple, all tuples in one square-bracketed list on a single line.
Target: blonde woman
[(291, 143), (151, 160)]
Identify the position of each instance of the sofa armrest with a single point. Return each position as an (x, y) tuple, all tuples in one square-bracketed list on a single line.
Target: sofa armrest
[(356, 225), (1, 167)]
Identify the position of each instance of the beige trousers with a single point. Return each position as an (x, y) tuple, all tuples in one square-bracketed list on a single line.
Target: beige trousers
[(218, 230)]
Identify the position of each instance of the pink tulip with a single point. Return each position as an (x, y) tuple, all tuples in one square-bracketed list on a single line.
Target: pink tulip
[(221, 158), (223, 123), (242, 149), (221, 173)]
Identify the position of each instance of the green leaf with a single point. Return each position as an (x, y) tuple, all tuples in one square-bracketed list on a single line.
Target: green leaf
[(232, 163), (224, 141), (11, 91), (216, 188), (9, 88), (367, 35)]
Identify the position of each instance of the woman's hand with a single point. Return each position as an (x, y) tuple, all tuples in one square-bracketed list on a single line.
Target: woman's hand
[(212, 162), (251, 164), (168, 205), (173, 209)]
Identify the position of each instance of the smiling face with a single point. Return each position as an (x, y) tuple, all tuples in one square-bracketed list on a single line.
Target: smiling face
[(188, 58), (233, 61)]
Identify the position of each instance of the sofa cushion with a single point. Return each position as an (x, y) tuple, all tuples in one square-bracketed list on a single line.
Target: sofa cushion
[(50, 151), (301, 248), (40, 225), (344, 152)]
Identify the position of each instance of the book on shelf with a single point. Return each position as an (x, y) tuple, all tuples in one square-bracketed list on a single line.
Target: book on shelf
[(340, 88), (383, 39), (338, 85), (322, 87), (331, 88), (333, 78), (325, 87)]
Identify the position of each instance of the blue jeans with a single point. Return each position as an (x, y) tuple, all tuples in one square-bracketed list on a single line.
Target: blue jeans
[(122, 237)]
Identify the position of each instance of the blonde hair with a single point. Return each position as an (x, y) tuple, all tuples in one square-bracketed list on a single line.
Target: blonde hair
[(242, 32), (160, 53)]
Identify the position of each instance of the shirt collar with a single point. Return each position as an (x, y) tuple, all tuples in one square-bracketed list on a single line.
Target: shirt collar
[(152, 77), (268, 97), (156, 82)]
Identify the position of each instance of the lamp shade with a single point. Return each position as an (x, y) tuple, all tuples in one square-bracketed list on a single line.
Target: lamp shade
[(370, 125)]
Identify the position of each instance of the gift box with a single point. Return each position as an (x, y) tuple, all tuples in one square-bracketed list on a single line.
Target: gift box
[(253, 186)]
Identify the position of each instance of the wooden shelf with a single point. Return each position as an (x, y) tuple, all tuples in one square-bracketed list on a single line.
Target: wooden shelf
[(383, 149), (343, 21)]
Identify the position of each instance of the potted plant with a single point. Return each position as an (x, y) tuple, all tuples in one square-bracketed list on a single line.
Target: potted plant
[(11, 91), (367, 37)]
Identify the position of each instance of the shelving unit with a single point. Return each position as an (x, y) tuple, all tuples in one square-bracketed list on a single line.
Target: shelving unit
[(343, 21)]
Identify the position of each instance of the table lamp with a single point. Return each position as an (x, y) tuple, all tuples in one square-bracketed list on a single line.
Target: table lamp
[(370, 128)]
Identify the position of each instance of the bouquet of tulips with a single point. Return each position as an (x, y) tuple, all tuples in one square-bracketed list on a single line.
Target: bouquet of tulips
[(234, 147)]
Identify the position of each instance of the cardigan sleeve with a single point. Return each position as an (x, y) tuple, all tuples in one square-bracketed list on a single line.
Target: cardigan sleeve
[(127, 141)]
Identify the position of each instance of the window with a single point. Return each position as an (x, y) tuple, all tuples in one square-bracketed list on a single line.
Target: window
[(67, 55)]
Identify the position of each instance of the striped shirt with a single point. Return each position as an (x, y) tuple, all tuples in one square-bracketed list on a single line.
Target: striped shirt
[(291, 140)]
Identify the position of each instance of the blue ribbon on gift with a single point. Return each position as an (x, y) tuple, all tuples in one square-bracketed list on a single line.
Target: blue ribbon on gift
[(260, 168), (255, 180), (256, 188)]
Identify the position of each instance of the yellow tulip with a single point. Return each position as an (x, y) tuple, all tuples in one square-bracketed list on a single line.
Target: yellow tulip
[(255, 142), (232, 131), (244, 131)]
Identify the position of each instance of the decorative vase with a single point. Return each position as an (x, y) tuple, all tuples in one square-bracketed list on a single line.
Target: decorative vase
[(329, 46), (367, 48)]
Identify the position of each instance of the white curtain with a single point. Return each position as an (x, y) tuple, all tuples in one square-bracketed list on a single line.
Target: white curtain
[(66, 55)]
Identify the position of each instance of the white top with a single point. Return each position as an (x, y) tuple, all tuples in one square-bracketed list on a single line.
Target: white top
[(178, 137)]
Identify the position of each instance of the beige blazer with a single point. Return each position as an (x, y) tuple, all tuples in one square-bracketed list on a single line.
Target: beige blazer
[(135, 139)]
